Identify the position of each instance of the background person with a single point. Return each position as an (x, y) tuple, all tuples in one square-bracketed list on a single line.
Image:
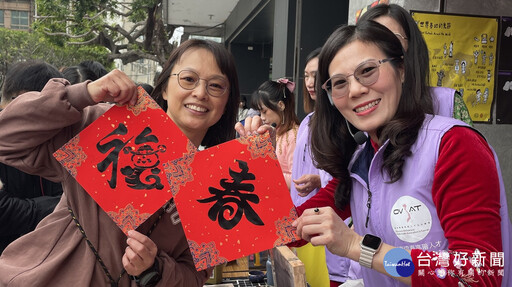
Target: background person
[(25, 199), (306, 180), (275, 101), (86, 70)]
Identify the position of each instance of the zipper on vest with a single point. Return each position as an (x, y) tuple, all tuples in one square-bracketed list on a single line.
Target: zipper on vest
[(369, 205)]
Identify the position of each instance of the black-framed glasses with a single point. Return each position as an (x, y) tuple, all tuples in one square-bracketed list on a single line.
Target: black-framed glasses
[(189, 80), (367, 73)]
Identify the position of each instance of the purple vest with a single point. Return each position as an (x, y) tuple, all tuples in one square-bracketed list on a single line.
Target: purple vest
[(302, 164), (403, 213), (443, 101)]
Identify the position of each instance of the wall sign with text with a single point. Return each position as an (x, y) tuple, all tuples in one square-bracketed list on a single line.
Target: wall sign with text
[(463, 54)]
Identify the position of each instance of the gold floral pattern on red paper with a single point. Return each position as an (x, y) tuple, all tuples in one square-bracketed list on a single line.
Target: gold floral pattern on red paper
[(284, 230), (179, 171), (143, 104), (205, 254), (128, 218), (259, 146), (71, 155)]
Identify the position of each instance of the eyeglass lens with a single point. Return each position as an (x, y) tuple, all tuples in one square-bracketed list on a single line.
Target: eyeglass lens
[(189, 80), (366, 74)]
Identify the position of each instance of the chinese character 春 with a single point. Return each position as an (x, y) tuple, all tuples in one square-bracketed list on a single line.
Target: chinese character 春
[(231, 195)]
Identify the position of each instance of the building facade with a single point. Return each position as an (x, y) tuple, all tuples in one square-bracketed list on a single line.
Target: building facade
[(17, 14)]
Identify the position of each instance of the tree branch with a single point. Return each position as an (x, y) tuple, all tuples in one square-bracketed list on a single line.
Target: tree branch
[(46, 31), (133, 56)]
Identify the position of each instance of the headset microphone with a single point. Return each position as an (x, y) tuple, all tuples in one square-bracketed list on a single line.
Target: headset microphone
[(359, 137)]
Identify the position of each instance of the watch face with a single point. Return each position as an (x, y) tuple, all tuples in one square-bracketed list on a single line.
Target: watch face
[(371, 241)]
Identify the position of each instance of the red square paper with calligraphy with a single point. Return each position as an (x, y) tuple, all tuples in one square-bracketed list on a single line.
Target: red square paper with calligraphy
[(118, 160), (232, 200)]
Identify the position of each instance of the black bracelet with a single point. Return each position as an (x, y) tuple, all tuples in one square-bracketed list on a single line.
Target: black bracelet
[(149, 277)]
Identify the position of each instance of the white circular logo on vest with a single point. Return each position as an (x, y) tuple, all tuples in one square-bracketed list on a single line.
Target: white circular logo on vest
[(410, 218)]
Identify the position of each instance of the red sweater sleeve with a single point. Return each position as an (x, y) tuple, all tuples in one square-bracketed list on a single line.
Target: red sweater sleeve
[(466, 194), (324, 197)]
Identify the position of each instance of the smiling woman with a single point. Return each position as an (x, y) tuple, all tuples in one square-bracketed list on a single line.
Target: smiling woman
[(447, 102), (211, 63), (198, 88), (394, 185)]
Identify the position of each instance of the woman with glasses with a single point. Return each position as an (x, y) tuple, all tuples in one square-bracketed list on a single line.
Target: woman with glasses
[(447, 102), (198, 88), (425, 192), (306, 181)]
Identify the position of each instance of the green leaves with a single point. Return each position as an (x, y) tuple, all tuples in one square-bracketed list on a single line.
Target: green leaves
[(21, 45), (124, 28)]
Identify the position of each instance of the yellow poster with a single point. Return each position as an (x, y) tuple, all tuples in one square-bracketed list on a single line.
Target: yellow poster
[(462, 52)]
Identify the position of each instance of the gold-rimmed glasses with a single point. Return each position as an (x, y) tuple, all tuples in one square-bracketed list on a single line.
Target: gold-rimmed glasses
[(367, 73), (189, 80)]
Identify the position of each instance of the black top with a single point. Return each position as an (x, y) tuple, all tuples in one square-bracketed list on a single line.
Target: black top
[(24, 201)]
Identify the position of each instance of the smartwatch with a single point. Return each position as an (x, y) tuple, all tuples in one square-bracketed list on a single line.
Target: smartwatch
[(148, 278), (369, 246)]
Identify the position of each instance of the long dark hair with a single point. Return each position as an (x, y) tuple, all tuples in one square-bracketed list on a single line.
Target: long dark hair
[(224, 129), (331, 143), (309, 103), (269, 93)]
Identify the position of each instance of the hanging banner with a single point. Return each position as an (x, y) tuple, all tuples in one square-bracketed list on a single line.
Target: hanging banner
[(463, 53)]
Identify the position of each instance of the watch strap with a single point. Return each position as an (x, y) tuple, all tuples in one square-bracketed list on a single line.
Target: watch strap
[(369, 246), (149, 277), (366, 257)]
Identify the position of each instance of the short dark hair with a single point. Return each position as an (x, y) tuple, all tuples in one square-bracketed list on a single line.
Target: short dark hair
[(97, 69), (86, 70), (224, 129), (309, 103), (27, 76)]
